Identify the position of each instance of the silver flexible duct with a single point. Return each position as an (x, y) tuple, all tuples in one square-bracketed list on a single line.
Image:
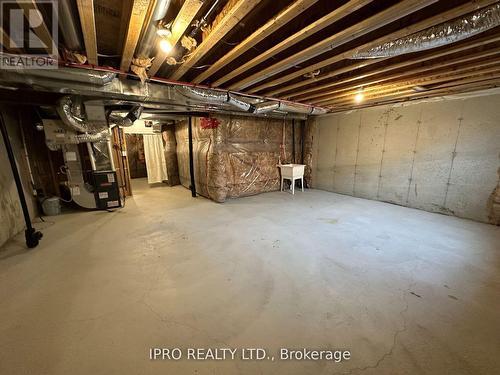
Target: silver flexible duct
[(216, 97), (84, 138), (437, 36), (72, 115), (267, 107), (128, 119)]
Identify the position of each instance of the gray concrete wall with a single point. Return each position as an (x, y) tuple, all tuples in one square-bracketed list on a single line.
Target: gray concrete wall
[(11, 216), (440, 156)]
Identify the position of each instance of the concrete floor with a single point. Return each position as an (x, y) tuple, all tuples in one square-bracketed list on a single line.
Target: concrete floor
[(406, 291)]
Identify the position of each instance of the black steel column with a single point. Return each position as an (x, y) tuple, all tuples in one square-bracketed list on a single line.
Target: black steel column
[(31, 235), (191, 160), (293, 140), (302, 134)]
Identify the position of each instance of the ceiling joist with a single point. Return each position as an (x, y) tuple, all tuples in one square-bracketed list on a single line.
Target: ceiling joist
[(319, 89), (182, 21), (87, 21), (228, 22), (408, 30), (454, 88), (406, 73), (373, 23), (260, 34), (468, 72), (140, 11), (313, 28)]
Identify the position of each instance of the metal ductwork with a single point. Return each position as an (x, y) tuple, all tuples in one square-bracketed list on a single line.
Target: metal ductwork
[(93, 77), (128, 119), (437, 36), (112, 88), (72, 114)]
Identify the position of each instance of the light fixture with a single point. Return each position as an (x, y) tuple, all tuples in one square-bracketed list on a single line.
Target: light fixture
[(420, 88), (164, 30), (164, 33), (359, 97), (166, 46)]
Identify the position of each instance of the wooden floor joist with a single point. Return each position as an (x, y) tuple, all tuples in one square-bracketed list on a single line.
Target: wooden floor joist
[(182, 21), (140, 11), (408, 30), (231, 19), (292, 40), (453, 89), (469, 73), (411, 61), (288, 14), (409, 72), (375, 22), (87, 21)]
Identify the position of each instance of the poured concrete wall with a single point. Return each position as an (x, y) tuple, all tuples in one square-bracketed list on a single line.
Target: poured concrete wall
[(441, 156), (11, 216)]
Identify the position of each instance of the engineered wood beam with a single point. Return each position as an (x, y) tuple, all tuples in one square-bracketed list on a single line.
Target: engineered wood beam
[(87, 21), (226, 24), (364, 63), (405, 31), (140, 12), (370, 24), (306, 32), (260, 34), (182, 21)]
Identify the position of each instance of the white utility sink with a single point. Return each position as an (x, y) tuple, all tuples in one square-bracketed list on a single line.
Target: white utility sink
[(292, 172)]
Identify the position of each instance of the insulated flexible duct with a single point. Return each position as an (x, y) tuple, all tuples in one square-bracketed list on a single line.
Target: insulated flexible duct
[(267, 107), (72, 115), (84, 138), (216, 97), (437, 36), (127, 120)]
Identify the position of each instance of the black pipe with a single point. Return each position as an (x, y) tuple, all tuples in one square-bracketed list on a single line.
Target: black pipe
[(32, 236), (293, 140), (191, 161), (302, 131)]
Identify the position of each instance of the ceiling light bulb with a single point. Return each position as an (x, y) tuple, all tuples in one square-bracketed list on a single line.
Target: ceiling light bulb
[(359, 97), (166, 46), (164, 33)]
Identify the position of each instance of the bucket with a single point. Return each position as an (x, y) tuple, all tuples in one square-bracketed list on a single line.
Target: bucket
[(51, 206)]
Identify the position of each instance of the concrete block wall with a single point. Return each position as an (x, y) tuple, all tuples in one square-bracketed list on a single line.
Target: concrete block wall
[(441, 156)]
